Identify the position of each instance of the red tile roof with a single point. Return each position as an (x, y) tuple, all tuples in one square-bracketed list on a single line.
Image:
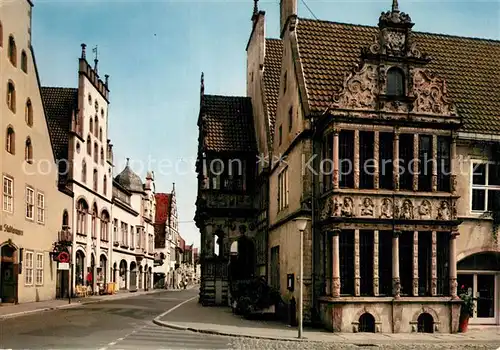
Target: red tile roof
[(162, 207), (272, 73)]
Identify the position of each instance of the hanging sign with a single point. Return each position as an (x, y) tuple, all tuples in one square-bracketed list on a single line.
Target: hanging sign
[(63, 266), (63, 257)]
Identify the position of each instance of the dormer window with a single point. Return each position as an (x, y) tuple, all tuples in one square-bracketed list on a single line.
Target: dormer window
[(395, 82)]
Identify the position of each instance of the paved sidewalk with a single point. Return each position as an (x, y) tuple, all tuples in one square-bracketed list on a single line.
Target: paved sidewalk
[(10, 311), (220, 320)]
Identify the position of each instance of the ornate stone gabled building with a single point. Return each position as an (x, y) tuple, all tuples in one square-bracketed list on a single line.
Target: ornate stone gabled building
[(386, 139), (226, 206)]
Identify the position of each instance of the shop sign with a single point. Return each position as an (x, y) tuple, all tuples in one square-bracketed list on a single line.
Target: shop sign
[(63, 266), (11, 229)]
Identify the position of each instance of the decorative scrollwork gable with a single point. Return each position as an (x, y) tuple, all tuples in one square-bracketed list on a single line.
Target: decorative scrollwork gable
[(431, 94), (359, 90)]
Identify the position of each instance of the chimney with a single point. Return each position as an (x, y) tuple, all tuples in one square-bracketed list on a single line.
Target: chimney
[(106, 79), (287, 8)]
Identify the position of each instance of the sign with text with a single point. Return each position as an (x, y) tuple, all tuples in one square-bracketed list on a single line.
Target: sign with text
[(11, 229), (63, 266)]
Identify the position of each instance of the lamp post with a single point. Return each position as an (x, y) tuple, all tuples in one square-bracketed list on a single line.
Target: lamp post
[(301, 223)]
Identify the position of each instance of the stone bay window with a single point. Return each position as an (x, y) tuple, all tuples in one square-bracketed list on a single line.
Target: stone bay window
[(387, 213)]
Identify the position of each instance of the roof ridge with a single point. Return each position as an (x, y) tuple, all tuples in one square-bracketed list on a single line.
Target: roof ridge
[(59, 87), (497, 41), (230, 96)]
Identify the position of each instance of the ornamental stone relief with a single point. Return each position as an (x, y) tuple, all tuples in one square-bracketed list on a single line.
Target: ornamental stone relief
[(367, 207), (431, 94), (359, 90), (406, 211), (444, 211), (348, 207), (425, 210), (386, 210)]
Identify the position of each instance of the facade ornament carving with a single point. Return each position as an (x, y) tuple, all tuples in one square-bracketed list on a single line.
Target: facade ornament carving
[(431, 94), (394, 42), (453, 287), (415, 287), (336, 286), (327, 209), (348, 207), (367, 207), (396, 287), (337, 207), (406, 210), (386, 209), (359, 90), (444, 211), (425, 209)]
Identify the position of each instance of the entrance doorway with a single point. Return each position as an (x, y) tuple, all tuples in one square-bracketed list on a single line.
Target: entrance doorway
[(9, 272)]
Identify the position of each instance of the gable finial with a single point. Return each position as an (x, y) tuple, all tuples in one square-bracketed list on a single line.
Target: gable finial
[(83, 50), (202, 84), (128, 159), (255, 7), (395, 6)]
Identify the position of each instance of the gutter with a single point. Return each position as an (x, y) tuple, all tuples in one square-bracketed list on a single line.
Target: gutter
[(478, 136)]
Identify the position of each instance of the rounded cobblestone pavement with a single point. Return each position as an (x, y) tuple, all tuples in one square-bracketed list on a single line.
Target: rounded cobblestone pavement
[(252, 344)]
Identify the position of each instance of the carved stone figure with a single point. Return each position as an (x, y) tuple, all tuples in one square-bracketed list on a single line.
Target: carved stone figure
[(327, 209), (386, 209), (348, 207), (431, 94), (407, 210), (337, 207), (443, 211), (359, 90), (394, 42), (425, 209), (396, 287), (367, 207)]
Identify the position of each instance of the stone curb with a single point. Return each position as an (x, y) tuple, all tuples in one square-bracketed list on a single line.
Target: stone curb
[(75, 304), (228, 334)]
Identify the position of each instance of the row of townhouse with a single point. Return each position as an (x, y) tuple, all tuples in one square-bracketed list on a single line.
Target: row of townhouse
[(66, 224), (385, 140)]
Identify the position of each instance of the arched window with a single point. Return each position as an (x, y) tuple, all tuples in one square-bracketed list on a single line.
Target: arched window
[(94, 221), (82, 210), (65, 219), (395, 82), (24, 61), (104, 185), (96, 125), (102, 155), (95, 180), (89, 146), (11, 96), (12, 51), (104, 226), (96, 152), (91, 125), (84, 172), (100, 134), (10, 140), (29, 113), (1, 35), (28, 151)]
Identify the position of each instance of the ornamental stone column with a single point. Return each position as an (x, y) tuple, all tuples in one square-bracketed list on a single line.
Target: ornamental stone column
[(336, 158), (395, 161), (396, 282), (453, 264), (434, 264), (357, 276), (335, 263), (415, 263), (375, 264)]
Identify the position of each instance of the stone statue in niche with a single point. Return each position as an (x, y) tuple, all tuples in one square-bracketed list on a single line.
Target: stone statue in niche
[(367, 207), (443, 211), (425, 209), (348, 207), (407, 210), (386, 209), (337, 207)]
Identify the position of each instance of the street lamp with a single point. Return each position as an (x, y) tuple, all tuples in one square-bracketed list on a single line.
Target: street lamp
[(301, 223)]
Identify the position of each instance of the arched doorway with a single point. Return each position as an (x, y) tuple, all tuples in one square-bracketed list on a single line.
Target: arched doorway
[(140, 286), (102, 277), (479, 276), (123, 275), (91, 272), (133, 276), (246, 257), (425, 323), (9, 269), (79, 268), (366, 323), (150, 274), (146, 277)]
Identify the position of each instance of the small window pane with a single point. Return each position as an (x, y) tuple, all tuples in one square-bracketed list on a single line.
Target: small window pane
[(478, 199), (493, 200), (479, 174), (494, 174)]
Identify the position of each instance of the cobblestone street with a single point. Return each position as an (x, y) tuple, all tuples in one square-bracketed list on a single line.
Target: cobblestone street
[(252, 344)]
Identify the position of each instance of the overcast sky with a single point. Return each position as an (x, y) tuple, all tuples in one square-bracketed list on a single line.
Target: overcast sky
[(155, 51)]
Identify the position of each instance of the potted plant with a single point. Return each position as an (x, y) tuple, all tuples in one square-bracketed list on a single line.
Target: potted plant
[(467, 309)]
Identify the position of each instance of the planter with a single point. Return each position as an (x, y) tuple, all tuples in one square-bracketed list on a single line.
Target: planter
[(464, 323)]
